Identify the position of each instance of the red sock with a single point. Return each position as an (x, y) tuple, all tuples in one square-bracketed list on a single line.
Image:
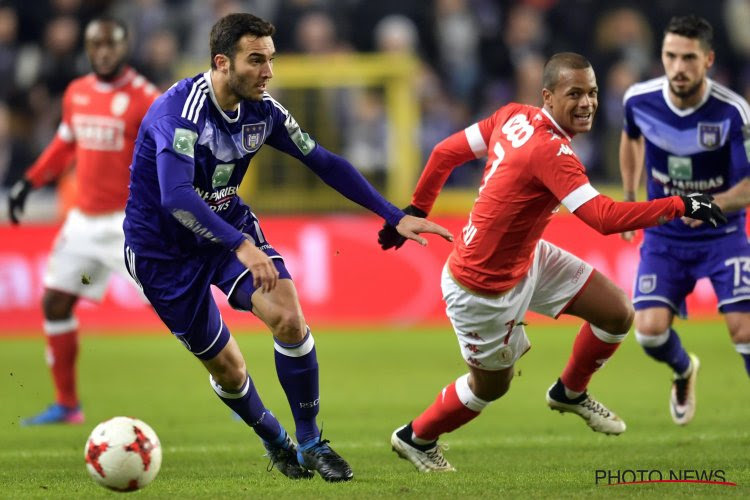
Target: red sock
[(447, 413), (62, 351), (589, 354)]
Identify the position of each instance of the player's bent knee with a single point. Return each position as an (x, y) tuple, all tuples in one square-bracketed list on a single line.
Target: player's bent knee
[(289, 328), (57, 306), (620, 317), (231, 379), (490, 386)]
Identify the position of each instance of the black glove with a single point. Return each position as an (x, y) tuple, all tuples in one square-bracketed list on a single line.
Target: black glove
[(699, 206), (388, 237), (17, 199)]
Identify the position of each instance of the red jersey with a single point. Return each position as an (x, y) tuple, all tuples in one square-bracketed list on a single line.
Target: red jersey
[(99, 126), (531, 169)]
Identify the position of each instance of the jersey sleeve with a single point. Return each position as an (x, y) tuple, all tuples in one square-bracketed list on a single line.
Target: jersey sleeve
[(628, 123), (608, 216), (174, 140), (740, 149), (455, 150), (59, 154), (556, 166)]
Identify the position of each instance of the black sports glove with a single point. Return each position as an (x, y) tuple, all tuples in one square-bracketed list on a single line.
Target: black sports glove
[(699, 206), (17, 199), (388, 237)]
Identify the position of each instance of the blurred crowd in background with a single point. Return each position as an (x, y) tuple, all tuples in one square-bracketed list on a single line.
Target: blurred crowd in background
[(475, 56)]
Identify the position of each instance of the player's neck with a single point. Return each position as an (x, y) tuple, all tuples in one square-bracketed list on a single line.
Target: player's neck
[(689, 101), (226, 99)]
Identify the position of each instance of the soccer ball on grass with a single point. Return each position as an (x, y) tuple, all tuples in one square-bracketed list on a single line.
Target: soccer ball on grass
[(123, 454)]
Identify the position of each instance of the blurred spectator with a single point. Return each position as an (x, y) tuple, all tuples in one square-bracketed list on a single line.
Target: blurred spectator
[(15, 156), (528, 78), (315, 33), (624, 34), (9, 51), (160, 58), (145, 19), (457, 33), (367, 135)]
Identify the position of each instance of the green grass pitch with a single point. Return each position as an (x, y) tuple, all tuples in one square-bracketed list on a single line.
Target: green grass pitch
[(371, 382)]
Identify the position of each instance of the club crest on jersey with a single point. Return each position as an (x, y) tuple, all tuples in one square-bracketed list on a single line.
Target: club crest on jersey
[(119, 103), (647, 283), (709, 135), (253, 135)]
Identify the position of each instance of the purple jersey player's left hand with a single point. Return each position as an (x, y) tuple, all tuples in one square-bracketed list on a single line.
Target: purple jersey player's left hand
[(265, 275)]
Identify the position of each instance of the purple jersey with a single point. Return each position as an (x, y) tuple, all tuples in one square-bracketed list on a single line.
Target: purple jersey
[(704, 149), (190, 157)]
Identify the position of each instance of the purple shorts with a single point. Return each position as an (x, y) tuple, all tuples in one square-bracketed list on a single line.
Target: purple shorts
[(669, 269), (180, 291)]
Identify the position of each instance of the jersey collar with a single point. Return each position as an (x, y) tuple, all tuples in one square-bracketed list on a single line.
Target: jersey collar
[(103, 86), (207, 77), (686, 111), (558, 127)]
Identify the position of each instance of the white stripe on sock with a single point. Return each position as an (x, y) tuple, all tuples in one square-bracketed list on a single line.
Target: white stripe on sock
[(230, 395), (652, 340), (742, 348), (299, 351), (58, 327), (467, 397), (609, 338)]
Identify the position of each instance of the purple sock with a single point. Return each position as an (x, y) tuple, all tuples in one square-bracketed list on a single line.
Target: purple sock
[(746, 358), (670, 352), (297, 368), (247, 404)]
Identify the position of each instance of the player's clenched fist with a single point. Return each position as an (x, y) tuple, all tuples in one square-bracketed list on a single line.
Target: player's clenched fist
[(701, 207), (265, 275)]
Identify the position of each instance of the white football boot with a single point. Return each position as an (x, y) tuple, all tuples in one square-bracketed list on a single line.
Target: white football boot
[(596, 415), (682, 398), (427, 460)]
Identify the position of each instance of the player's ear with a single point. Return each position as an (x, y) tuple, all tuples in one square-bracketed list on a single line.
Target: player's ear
[(222, 62), (547, 98), (711, 57)]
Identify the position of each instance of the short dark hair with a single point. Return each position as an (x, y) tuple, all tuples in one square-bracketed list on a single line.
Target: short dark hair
[(228, 30), (104, 18), (559, 62), (694, 27)]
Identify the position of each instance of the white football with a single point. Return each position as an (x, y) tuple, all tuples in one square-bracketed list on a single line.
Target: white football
[(123, 454)]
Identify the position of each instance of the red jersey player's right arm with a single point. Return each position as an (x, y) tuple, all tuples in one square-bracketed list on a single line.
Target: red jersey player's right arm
[(564, 175), (449, 153), (59, 154)]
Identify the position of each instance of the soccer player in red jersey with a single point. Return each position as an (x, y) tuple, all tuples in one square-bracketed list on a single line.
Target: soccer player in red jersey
[(501, 267), (101, 113)]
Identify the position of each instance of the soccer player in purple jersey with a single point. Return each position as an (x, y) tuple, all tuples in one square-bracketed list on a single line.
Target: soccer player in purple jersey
[(691, 134), (186, 229)]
